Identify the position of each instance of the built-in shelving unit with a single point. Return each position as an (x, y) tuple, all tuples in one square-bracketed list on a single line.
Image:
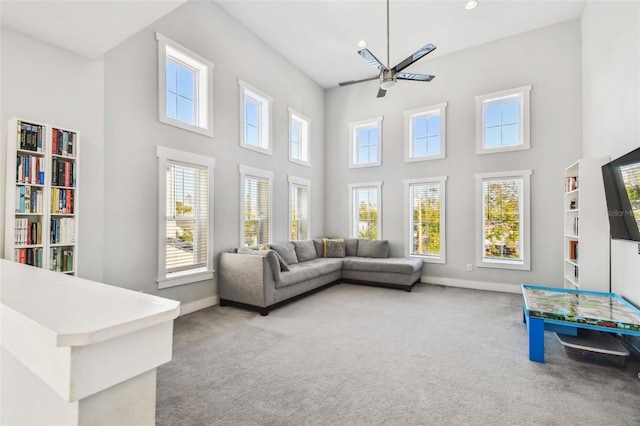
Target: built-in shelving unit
[(41, 224), (586, 228)]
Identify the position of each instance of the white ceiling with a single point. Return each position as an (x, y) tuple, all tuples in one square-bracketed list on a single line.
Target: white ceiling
[(318, 36)]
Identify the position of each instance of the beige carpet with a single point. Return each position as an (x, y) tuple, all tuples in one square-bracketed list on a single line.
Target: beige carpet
[(359, 355)]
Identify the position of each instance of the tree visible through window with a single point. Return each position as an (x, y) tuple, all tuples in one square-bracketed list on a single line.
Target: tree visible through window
[(366, 211), (502, 215), (425, 206), (298, 208)]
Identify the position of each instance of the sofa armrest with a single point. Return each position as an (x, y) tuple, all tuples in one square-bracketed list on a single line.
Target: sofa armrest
[(246, 278)]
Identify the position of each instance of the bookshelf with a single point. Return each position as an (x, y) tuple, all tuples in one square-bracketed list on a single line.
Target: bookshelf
[(586, 227), (41, 224)]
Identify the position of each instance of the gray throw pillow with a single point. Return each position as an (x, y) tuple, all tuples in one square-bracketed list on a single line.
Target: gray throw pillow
[(373, 248), (319, 245), (305, 250), (334, 248), (351, 246), (287, 251), (281, 262)]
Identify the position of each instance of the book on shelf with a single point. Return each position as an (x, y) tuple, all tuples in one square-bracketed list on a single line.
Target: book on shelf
[(573, 250), (570, 183), (30, 136), (62, 142)]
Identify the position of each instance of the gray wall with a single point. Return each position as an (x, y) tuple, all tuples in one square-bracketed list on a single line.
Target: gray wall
[(132, 131), (50, 85), (611, 107), (549, 60)]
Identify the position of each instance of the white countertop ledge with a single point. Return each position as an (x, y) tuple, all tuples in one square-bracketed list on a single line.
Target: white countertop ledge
[(78, 311)]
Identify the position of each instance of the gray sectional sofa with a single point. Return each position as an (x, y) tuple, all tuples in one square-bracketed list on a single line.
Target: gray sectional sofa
[(263, 278)]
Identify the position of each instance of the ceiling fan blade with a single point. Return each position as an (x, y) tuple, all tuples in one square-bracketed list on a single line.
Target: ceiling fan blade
[(411, 59), (346, 83), (381, 93), (369, 57), (416, 77)]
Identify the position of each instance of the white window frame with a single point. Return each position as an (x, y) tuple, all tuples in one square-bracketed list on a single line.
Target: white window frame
[(246, 171), (408, 218), (265, 145), (520, 93), (353, 137), (204, 83), (525, 203), (164, 279), (424, 112), (293, 180), (353, 214), (305, 134)]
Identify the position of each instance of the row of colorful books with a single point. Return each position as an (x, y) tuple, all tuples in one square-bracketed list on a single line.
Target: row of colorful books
[(29, 200), (30, 256), (63, 231), (570, 183), (62, 201), (27, 233), (61, 259), (31, 136), (63, 173), (30, 169), (62, 143)]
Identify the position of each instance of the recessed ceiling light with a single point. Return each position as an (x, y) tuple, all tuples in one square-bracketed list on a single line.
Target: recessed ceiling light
[(362, 43), (471, 4)]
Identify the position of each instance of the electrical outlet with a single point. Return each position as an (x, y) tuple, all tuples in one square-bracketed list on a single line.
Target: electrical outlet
[(469, 267)]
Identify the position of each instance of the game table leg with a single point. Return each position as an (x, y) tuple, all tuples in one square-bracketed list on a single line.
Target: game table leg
[(536, 339)]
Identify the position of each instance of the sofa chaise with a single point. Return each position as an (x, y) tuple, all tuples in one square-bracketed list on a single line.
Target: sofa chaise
[(263, 278)]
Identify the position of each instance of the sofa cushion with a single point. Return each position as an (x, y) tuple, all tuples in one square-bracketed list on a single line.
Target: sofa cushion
[(326, 240), (351, 246), (308, 270), (373, 248), (334, 248), (397, 265), (305, 250), (287, 251)]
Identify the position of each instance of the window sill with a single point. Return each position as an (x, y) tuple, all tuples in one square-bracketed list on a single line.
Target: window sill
[(301, 162), (185, 278), (429, 259), (185, 126), (424, 158), (256, 148), (521, 147), (360, 166), (504, 264)]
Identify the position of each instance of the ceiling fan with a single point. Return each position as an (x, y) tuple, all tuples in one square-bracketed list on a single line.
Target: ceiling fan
[(389, 76)]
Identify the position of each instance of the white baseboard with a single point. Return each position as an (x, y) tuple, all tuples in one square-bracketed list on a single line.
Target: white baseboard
[(187, 308), (477, 285)]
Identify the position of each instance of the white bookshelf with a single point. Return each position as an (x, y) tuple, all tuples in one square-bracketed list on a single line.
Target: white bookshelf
[(586, 227), (41, 225)]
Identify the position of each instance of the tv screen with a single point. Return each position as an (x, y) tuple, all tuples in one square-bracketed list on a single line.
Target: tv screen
[(622, 190)]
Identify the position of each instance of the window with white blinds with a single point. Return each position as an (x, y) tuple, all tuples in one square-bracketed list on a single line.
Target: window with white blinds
[(298, 208), (186, 224), (504, 219), (256, 206), (425, 213), (366, 211)]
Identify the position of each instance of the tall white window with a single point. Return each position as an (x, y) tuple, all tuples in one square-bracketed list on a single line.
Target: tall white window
[(366, 210), (255, 119), (504, 220), (366, 143), (502, 121), (299, 200), (256, 190), (185, 252), (298, 138), (425, 218), (425, 133), (184, 91)]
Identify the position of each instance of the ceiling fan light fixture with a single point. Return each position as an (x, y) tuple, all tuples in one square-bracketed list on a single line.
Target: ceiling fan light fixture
[(388, 80), (362, 43), (471, 4)]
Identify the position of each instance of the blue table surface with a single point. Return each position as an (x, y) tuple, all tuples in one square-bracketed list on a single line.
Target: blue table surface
[(579, 306)]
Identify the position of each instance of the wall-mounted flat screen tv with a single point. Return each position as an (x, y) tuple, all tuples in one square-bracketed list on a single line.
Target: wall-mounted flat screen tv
[(622, 191)]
